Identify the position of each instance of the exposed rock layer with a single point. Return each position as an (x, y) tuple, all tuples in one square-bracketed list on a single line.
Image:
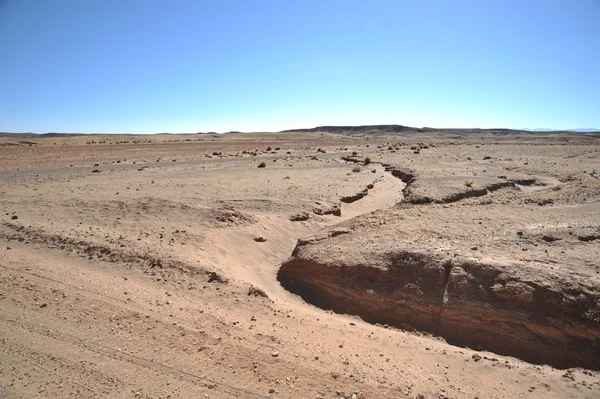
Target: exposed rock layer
[(469, 303)]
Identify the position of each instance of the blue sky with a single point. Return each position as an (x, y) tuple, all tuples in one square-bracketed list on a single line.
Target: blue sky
[(146, 66)]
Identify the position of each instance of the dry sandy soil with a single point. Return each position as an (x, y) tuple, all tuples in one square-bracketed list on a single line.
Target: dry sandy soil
[(155, 267)]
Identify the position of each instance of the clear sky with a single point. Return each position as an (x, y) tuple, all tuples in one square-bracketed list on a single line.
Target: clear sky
[(146, 66)]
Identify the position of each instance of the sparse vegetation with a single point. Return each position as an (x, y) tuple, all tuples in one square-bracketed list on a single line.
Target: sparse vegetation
[(262, 164), (367, 160), (469, 183), (354, 153), (356, 169)]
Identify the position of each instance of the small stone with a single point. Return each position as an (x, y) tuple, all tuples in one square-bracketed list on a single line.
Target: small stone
[(299, 217), (275, 354), (257, 292), (215, 277)]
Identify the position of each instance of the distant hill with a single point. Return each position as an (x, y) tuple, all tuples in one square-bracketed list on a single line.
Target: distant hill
[(372, 130), (585, 130), (357, 129), (386, 129), (580, 130), (456, 132), (38, 135)]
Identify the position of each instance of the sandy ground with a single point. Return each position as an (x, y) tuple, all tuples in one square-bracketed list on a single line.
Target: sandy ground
[(107, 251)]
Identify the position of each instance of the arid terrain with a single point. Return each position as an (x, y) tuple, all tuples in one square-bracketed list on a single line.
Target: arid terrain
[(354, 264)]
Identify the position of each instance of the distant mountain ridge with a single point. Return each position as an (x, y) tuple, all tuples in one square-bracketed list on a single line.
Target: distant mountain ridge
[(354, 130), (386, 129), (579, 130), (38, 135), (585, 130)]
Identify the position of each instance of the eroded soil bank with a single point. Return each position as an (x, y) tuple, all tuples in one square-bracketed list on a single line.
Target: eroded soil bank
[(542, 319), (500, 268)]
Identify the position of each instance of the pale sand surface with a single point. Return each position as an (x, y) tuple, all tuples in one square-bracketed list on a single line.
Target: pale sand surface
[(104, 286)]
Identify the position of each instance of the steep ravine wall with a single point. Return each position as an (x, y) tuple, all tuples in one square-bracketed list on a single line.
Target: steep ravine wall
[(545, 319)]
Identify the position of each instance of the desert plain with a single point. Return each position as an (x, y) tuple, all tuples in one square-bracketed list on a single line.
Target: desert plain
[(354, 263)]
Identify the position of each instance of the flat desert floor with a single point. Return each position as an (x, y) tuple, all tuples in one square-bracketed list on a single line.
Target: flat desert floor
[(149, 266)]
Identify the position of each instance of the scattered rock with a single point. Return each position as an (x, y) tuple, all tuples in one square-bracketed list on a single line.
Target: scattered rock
[(260, 239), (14, 217), (217, 278), (257, 292), (275, 354), (299, 217), (550, 238), (332, 209), (588, 238)]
